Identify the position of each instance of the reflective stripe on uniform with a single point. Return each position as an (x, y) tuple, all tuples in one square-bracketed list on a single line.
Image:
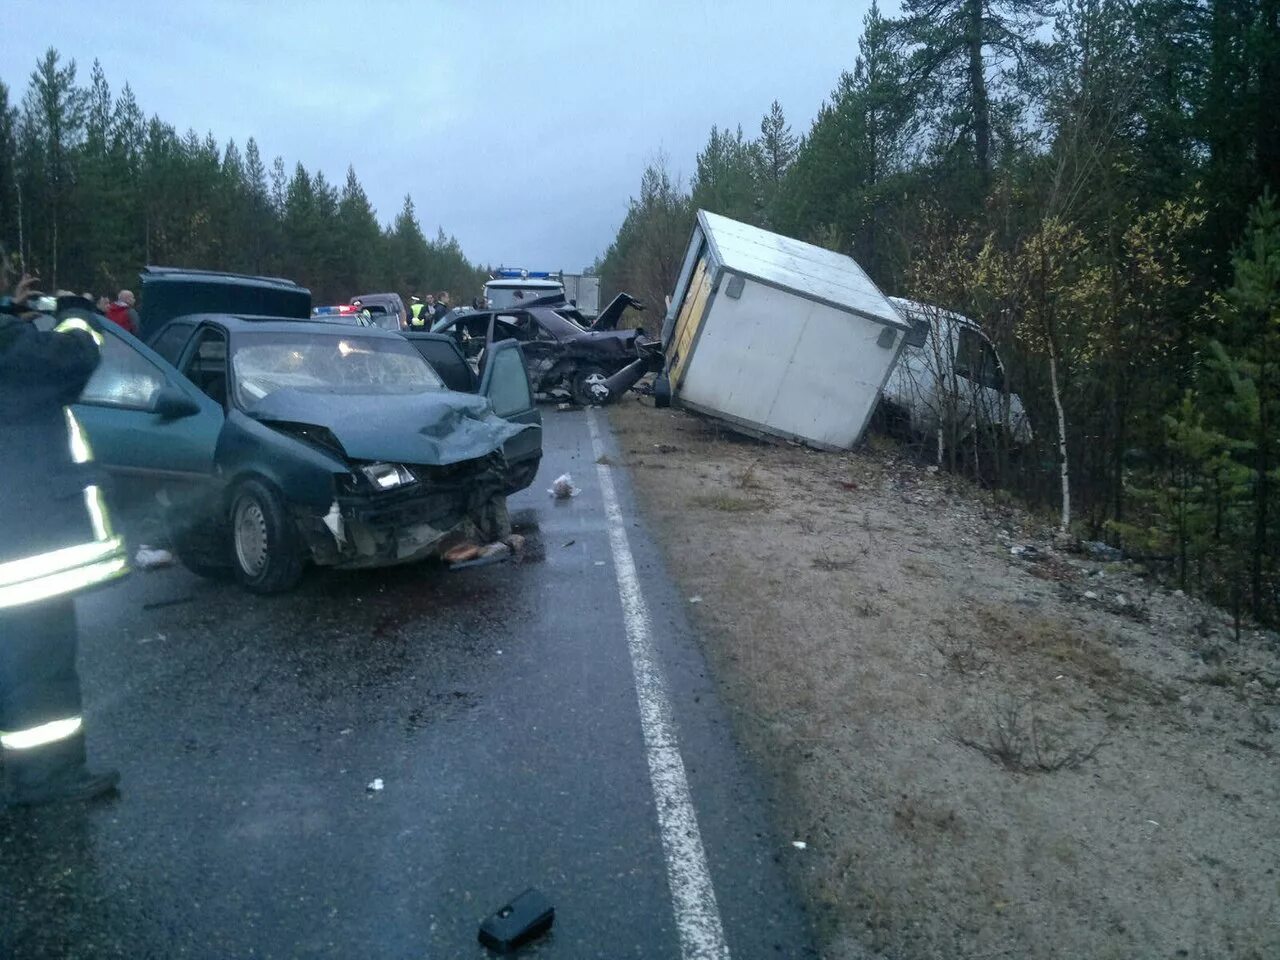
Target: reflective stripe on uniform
[(81, 452), (45, 733), (79, 323), (51, 574), (97, 508)]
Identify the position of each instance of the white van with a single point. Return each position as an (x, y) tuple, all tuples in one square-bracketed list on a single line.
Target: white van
[(949, 373)]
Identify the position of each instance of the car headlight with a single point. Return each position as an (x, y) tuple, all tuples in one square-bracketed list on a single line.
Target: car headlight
[(388, 476)]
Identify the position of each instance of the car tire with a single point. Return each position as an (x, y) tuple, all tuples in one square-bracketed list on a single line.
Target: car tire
[(203, 548), (582, 384), (266, 551)]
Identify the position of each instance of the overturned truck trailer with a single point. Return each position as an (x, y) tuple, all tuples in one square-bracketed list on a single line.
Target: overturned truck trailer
[(775, 336)]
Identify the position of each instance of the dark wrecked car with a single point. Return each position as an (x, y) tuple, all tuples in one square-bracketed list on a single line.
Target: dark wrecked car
[(593, 366), (273, 442)]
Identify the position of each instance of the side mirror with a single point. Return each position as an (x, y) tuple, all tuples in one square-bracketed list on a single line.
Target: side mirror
[(172, 404)]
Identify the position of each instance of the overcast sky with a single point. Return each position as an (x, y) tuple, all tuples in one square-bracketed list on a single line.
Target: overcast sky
[(521, 128)]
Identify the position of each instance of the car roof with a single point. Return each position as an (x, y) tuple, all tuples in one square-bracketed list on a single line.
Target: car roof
[(238, 323), (151, 272)]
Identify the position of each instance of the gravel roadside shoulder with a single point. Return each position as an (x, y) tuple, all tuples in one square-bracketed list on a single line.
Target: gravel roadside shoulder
[(988, 748)]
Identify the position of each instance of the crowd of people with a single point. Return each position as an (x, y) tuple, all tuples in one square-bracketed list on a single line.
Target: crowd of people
[(423, 313), (121, 311)]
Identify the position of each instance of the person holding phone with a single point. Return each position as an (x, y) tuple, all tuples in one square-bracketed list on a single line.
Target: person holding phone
[(58, 542)]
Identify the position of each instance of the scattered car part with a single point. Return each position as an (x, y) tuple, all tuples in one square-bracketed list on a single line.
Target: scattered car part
[(525, 918), (563, 488)]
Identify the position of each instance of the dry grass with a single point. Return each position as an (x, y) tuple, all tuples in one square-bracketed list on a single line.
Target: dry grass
[(729, 503), (863, 621)]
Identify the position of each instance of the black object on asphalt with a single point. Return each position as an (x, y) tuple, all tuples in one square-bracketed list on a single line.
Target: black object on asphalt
[(171, 602), (525, 918)]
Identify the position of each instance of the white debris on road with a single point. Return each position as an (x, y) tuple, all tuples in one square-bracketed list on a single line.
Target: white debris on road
[(148, 558), (563, 487), (375, 785), (799, 844)]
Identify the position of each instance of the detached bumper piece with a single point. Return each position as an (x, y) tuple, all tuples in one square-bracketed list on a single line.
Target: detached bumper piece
[(525, 918)]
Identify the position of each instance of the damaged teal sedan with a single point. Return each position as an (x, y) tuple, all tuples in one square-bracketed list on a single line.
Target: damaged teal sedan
[(271, 443)]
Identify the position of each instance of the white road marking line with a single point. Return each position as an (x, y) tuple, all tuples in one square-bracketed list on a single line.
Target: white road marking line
[(692, 895)]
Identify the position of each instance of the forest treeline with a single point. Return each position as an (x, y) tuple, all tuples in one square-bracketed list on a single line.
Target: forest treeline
[(1092, 180), (91, 189)]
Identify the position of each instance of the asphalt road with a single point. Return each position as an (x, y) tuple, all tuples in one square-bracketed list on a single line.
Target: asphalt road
[(499, 708)]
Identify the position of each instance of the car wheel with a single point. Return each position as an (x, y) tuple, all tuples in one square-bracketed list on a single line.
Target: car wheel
[(589, 388), (202, 547), (266, 551)]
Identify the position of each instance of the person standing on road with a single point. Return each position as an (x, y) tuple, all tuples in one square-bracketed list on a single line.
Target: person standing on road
[(415, 312), (122, 313), (58, 541), (442, 306)]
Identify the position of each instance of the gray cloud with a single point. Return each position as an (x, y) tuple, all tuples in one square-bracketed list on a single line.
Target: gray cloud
[(520, 128)]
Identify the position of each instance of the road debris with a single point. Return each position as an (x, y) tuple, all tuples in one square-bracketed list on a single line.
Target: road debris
[(695, 599), (171, 602), (563, 488), (569, 543), (462, 553), (525, 918), (148, 558), (799, 844), (158, 636), (375, 785), (490, 553)]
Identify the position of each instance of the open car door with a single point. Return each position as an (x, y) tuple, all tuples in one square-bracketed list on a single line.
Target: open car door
[(145, 420), (446, 358), (505, 382)]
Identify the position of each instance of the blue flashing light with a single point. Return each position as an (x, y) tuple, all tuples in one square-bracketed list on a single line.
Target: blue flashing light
[(517, 273)]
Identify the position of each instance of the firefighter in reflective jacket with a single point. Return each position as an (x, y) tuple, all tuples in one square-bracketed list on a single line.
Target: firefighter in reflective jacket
[(56, 541)]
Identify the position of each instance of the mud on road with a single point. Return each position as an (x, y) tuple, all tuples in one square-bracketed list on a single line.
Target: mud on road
[(987, 751)]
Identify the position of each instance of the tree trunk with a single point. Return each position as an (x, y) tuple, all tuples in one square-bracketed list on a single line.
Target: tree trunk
[(978, 91), (1267, 117), (22, 247), (1062, 440), (1262, 491)]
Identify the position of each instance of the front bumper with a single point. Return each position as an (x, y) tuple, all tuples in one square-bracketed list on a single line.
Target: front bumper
[(377, 529)]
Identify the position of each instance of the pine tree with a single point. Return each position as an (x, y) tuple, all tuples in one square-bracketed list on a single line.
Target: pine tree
[(53, 122), (778, 146), (975, 63), (1246, 401), (9, 226), (359, 237)]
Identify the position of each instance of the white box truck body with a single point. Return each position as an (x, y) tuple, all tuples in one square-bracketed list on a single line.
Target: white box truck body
[(777, 336)]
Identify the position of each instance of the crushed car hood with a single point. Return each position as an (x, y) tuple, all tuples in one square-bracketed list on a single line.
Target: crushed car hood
[(435, 429)]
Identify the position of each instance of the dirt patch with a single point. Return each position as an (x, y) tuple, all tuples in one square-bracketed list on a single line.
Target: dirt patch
[(990, 749)]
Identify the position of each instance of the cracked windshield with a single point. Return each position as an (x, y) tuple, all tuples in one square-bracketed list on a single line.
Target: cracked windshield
[(691, 480)]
